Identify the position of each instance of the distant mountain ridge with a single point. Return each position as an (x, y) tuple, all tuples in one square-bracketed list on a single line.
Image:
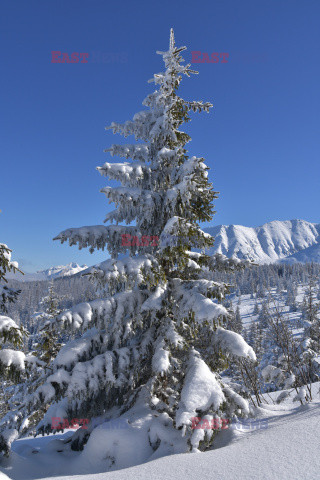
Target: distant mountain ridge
[(49, 274), (287, 241)]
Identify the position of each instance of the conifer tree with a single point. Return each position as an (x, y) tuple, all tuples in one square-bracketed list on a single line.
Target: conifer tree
[(152, 350), (310, 306), (238, 321), (291, 296), (11, 360), (48, 344), (22, 413), (285, 360), (264, 314), (256, 309), (310, 348)]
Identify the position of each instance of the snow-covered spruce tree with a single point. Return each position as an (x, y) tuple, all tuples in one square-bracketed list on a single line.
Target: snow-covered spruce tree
[(310, 348), (264, 314), (152, 349), (256, 309), (285, 363), (11, 360), (25, 408), (291, 296), (310, 307), (48, 344), (245, 370)]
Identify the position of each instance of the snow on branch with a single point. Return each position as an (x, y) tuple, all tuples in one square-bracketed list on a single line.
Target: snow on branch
[(87, 378), (105, 314), (234, 343), (128, 173), (12, 358), (160, 360), (219, 262), (154, 301), (83, 315), (128, 195), (96, 237), (7, 295), (201, 390), (140, 126), (128, 271), (78, 350), (191, 300), (184, 232), (7, 264), (136, 152), (9, 331), (236, 399)]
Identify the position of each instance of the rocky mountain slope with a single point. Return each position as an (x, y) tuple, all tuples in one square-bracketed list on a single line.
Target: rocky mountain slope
[(278, 241)]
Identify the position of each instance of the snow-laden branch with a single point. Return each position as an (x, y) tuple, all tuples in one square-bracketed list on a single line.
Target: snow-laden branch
[(136, 152), (96, 237), (234, 343), (9, 330), (129, 174), (140, 126), (201, 390), (128, 271), (105, 314), (12, 358), (119, 195), (191, 300)]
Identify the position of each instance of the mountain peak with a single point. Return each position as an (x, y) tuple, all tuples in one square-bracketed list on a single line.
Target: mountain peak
[(50, 273), (277, 241)]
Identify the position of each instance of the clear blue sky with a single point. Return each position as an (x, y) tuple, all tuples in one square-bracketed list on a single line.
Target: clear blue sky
[(261, 139)]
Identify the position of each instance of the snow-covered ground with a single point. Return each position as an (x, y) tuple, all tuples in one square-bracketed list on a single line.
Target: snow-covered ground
[(247, 304), (287, 447)]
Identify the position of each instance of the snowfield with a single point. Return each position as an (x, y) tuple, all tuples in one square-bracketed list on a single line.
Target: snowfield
[(286, 448)]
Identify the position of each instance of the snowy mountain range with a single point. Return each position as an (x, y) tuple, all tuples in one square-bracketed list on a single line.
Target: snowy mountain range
[(288, 241), (49, 274)]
